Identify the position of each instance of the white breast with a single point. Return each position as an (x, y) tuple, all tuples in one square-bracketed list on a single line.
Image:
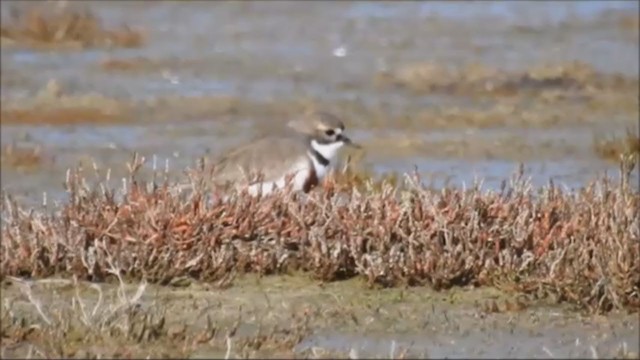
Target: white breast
[(321, 170), (300, 172), (329, 151)]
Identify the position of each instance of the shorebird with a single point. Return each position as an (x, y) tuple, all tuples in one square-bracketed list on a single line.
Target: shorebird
[(300, 158)]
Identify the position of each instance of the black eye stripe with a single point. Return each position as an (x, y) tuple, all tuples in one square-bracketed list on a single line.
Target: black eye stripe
[(329, 132)]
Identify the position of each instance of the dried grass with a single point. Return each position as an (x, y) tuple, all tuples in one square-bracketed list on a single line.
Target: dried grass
[(53, 105), (580, 247), (66, 116), (21, 157), (630, 22), (613, 148), (140, 63), (550, 81), (121, 323), (47, 26), (137, 63)]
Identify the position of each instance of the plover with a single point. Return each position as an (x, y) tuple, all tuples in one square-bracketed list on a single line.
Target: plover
[(300, 158)]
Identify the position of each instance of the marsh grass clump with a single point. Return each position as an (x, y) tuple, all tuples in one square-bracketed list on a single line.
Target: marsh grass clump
[(133, 64), (114, 324), (59, 116), (613, 147), (139, 64), (630, 22), (47, 26), (575, 80), (54, 105), (579, 247), (364, 180), (360, 176), (22, 158), (60, 318)]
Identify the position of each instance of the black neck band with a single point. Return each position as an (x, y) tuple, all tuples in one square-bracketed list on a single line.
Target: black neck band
[(321, 159)]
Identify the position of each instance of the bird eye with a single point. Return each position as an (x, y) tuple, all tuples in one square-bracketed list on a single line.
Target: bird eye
[(330, 132)]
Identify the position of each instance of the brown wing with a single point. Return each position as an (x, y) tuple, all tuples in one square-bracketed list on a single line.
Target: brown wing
[(270, 156)]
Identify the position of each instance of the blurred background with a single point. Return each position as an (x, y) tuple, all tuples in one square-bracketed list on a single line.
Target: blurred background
[(462, 90)]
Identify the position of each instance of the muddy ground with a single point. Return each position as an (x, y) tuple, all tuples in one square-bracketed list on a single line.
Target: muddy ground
[(461, 90), (292, 316)]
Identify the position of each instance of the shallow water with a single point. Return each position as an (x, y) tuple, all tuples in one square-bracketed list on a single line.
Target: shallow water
[(330, 52), (576, 341)]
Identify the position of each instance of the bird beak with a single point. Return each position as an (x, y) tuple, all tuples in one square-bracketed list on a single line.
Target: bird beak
[(348, 142)]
